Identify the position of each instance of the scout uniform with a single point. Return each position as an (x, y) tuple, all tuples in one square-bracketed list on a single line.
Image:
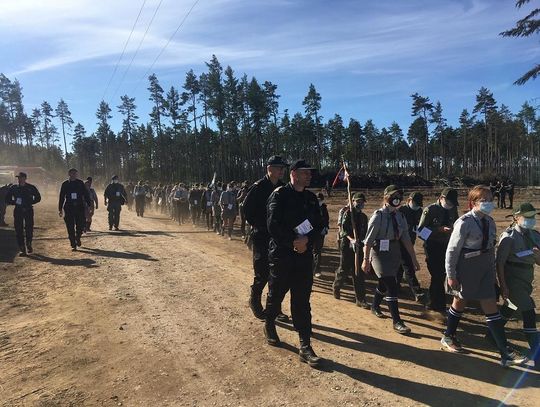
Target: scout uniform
[(115, 197), (72, 198)]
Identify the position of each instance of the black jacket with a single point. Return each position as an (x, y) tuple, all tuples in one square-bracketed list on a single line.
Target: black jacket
[(73, 194), (288, 208), (115, 193), (255, 203), (22, 196)]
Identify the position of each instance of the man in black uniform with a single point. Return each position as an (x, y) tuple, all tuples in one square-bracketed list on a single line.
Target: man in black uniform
[(73, 195), (115, 197), (256, 215), (438, 220), (412, 212), (294, 221), (351, 245), (23, 196)]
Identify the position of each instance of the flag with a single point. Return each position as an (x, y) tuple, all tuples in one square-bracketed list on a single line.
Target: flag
[(213, 180), (342, 175)]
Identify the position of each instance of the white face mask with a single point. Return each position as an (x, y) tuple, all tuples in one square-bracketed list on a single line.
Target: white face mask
[(115, 181), (486, 207), (446, 205), (528, 223), (414, 206)]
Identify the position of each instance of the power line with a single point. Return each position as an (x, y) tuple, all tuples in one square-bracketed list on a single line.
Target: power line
[(166, 45), (124, 50), (138, 48)]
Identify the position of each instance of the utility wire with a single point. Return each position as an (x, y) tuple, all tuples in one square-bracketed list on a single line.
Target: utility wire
[(166, 45), (138, 48), (123, 51)]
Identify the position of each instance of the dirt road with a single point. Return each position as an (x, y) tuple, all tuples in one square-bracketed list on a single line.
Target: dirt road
[(156, 315)]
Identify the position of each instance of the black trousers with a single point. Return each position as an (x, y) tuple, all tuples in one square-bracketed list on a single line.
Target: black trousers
[(24, 225), (435, 255), (140, 201), (261, 268), (346, 268), (114, 209), (242, 221), (407, 269), (75, 223), (291, 273)]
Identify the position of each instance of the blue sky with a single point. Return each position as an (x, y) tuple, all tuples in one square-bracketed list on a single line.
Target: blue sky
[(365, 57)]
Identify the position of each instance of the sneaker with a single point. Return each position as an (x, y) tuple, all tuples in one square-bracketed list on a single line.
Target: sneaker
[(307, 355), (377, 312), (401, 328), (363, 304), (281, 317), (116, 228), (452, 344), (517, 361), (318, 275), (73, 248)]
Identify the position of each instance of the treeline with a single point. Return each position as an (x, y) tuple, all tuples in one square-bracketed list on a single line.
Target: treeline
[(217, 121)]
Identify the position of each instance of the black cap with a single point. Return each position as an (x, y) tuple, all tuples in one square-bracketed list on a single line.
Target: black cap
[(451, 195), (392, 189), (21, 175), (359, 196), (89, 179), (276, 161), (114, 177), (301, 165)]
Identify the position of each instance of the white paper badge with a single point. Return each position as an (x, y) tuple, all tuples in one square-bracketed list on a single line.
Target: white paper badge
[(525, 253), (195, 202), (117, 193), (74, 195), (18, 201), (304, 228), (472, 254), (229, 207), (384, 245), (208, 203), (424, 234)]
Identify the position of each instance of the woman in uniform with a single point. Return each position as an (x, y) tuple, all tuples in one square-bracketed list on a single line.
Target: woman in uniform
[(470, 271), (517, 253), (382, 252)]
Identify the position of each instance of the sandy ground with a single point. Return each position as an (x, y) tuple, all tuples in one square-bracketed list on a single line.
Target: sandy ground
[(157, 315)]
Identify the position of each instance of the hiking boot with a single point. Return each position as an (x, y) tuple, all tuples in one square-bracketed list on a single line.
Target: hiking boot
[(516, 359), (317, 275), (401, 328), (452, 344), (271, 335), (78, 241), (363, 304), (307, 355), (110, 227), (116, 228), (281, 317), (22, 252), (377, 312), (256, 306)]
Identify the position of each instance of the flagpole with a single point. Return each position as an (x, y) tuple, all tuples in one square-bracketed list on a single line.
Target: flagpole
[(357, 265)]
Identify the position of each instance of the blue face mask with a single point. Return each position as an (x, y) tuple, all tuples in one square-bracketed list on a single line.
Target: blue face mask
[(528, 223), (487, 207)]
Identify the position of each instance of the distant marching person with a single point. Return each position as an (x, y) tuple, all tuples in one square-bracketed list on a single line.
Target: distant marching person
[(216, 208), (115, 197), (23, 195), (139, 193), (71, 201), (227, 201), (351, 244), (242, 193), (207, 207), (386, 229), (412, 212), (3, 192), (434, 229), (470, 271), (90, 209), (129, 195), (517, 254)]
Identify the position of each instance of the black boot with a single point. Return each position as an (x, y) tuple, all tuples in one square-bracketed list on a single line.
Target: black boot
[(336, 292), (256, 306), (307, 355), (270, 333), (29, 248)]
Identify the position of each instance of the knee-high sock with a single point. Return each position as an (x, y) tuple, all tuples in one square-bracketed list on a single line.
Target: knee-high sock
[(454, 316), (495, 324)]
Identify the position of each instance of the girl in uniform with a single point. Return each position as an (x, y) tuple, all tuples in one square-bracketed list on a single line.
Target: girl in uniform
[(517, 253), (470, 271), (382, 253)]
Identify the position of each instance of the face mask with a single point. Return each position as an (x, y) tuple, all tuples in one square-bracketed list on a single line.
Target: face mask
[(528, 223), (359, 205), (115, 181), (487, 207), (395, 202), (320, 202), (446, 205), (414, 206)]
